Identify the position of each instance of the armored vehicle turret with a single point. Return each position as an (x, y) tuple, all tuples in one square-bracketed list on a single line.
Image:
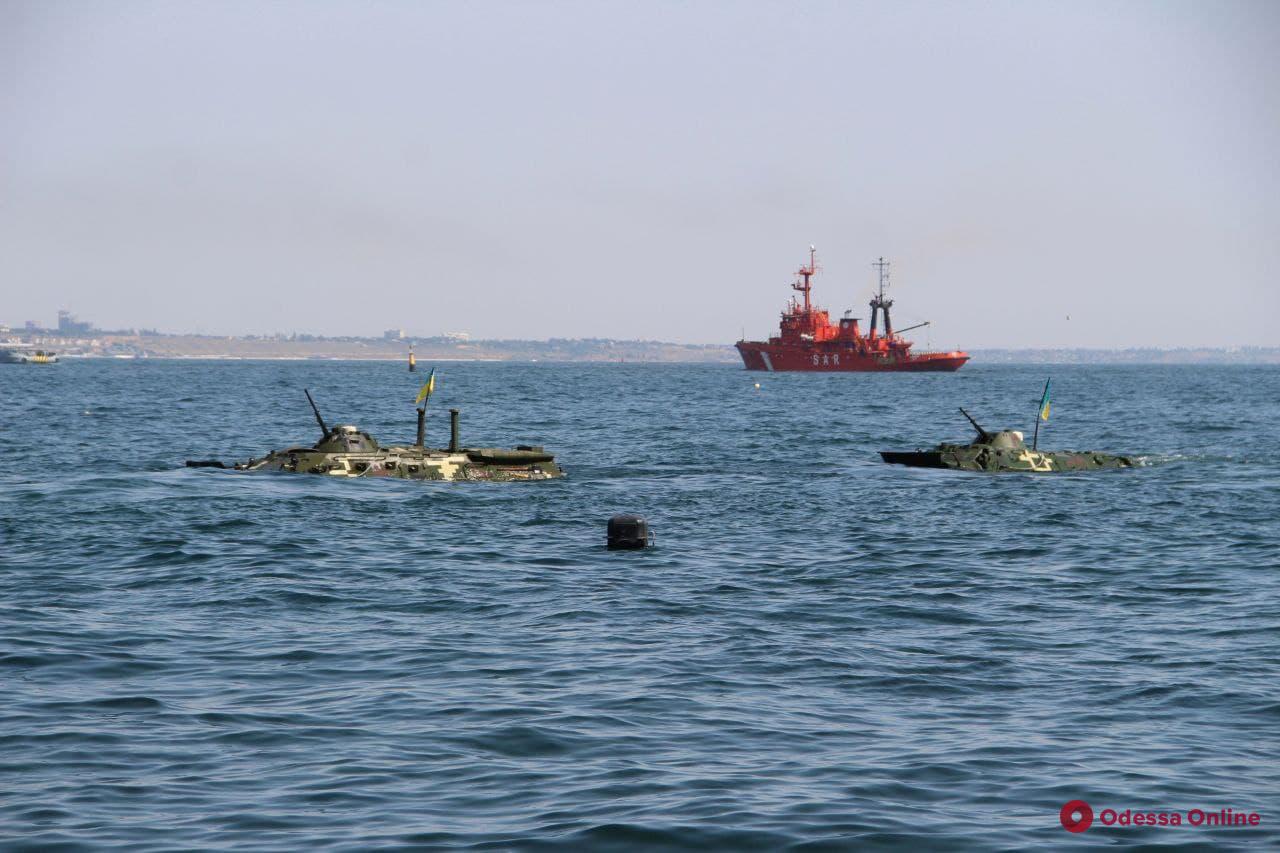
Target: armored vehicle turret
[(348, 451), (1003, 451)]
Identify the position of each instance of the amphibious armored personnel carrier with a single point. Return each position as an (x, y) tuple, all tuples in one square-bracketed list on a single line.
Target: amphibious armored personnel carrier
[(348, 451), (1003, 451)]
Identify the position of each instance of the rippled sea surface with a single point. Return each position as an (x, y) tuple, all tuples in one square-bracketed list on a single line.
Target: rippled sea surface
[(823, 651)]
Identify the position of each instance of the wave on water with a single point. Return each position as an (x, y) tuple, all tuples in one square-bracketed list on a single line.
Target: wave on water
[(822, 652)]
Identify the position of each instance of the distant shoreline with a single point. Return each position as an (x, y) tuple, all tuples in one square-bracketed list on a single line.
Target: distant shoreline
[(579, 350)]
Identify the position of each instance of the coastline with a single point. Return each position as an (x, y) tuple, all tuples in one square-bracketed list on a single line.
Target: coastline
[(578, 350)]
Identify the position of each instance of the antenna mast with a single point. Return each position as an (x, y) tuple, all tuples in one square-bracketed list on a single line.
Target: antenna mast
[(806, 273), (882, 266), (879, 302)]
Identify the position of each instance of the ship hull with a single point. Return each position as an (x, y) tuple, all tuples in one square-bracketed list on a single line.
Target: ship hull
[(834, 358)]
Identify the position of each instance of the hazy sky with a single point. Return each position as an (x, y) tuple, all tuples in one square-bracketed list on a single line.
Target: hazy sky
[(644, 170)]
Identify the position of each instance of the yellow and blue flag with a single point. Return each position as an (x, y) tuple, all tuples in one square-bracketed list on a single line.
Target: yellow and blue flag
[(425, 391), (1044, 402)]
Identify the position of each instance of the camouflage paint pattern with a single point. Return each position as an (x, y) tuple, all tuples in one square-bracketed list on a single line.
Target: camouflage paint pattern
[(349, 452), (1005, 451)]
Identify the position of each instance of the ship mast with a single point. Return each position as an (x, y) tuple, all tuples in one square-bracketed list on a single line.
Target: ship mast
[(879, 302), (806, 273)]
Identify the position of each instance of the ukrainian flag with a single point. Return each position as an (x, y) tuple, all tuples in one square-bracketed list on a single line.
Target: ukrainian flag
[(425, 391), (1044, 402)]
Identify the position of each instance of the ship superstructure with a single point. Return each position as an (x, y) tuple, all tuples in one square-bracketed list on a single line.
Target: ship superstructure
[(808, 340)]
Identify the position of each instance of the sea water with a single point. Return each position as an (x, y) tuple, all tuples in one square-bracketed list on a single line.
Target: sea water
[(821, 650)]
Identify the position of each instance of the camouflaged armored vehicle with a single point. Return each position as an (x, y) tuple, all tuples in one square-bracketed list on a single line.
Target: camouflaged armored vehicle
[(348, 451), (1003, 451)]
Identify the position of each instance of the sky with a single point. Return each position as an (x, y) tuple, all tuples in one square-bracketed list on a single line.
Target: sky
[(1070, 174)]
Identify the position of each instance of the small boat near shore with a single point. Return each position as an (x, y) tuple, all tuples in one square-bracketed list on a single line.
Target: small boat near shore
[(23, 356)]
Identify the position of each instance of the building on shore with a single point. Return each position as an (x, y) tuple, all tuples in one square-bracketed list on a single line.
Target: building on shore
[(69, 325)]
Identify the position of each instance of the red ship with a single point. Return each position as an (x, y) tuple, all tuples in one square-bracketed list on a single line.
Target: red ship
[(807, 339)]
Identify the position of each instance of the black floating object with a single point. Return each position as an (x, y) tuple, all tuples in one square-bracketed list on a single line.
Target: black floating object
[(205, 463), (629, 533)]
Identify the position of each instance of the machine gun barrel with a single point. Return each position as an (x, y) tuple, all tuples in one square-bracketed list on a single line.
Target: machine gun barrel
[(982, 433), (324, 429)]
